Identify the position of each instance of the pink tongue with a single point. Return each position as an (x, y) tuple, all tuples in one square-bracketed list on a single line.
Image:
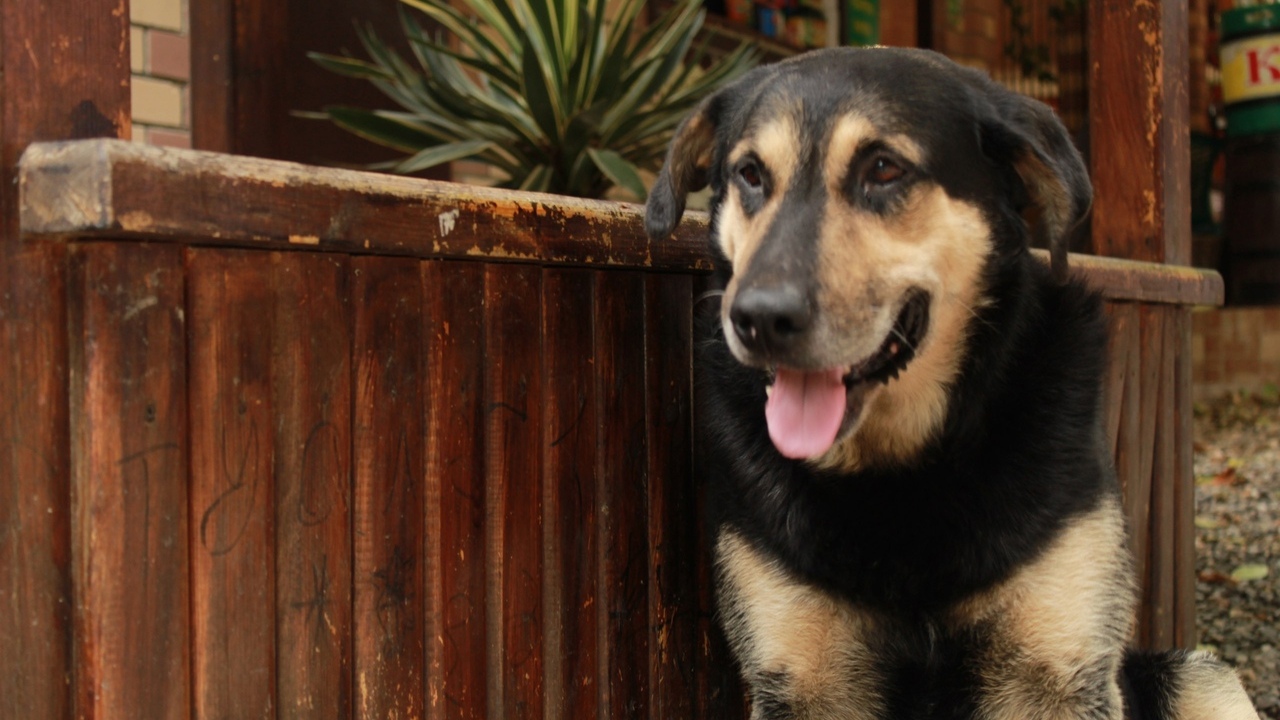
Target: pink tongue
[(805, 411)]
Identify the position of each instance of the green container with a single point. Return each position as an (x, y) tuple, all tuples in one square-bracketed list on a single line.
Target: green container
[(1251, 69)]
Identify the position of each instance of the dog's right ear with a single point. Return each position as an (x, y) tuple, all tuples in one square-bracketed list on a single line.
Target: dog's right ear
[(684, 171)]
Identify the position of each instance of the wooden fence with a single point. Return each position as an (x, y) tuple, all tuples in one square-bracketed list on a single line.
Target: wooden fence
[(348, 445)]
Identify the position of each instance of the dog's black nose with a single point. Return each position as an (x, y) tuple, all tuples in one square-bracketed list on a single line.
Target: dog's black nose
[(770, 319)]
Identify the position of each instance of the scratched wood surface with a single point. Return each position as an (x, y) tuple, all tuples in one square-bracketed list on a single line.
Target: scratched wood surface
[(231, 315), (390, 510), (311, 391), (76, 92), (1146, 416), (107, 189), (128, 489)]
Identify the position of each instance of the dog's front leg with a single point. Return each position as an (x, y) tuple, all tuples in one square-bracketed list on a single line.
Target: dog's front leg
[(802, 652), (1057, 629)]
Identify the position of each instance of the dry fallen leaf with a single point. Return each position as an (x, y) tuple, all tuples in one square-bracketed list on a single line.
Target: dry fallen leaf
[(1250, 571), (1213, 577)]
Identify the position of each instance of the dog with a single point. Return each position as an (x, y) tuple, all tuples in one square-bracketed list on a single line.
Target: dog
[(914, 510)]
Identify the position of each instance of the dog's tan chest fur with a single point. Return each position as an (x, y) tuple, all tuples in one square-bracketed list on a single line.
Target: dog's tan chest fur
[(1054, 631)]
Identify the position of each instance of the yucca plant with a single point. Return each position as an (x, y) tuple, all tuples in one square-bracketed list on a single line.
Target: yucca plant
[(553, 94)]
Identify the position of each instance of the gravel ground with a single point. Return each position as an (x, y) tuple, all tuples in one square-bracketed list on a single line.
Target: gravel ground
[(1237, 466)]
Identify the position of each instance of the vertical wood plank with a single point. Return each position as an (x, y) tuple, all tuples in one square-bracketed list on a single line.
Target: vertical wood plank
[(1127, 330), (1161, 591), (513, 348), (232, 489), (1184, 571), (1139, 144), (311, 387), (212, 89), (623, 495), (455, 450), (390, 493), (35, 536), (1145, 518), (1122, 329), (80, 91), (672, 522), (129, 481), (569, 497)]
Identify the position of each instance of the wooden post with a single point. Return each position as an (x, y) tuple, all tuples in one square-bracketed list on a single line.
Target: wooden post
[(250, 72), (1138, 119), (1139, 138), (66, 75)]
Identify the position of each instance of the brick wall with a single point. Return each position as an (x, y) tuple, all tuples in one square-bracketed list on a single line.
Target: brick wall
[(160, 60), (1234, 349)]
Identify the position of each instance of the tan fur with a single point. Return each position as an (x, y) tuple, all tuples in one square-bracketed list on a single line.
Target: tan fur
[(868, 263), (938, 244), (778, 625), (1070, 609), (777, 144), (1211, 692)]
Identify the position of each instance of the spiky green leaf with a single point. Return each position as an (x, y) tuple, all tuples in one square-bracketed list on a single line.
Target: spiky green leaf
[(619, 171)]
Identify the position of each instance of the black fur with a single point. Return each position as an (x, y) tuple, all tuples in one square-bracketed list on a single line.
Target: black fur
[(1020, 454)]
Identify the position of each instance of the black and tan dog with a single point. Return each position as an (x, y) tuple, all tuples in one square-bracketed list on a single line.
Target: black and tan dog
[(916, 514)]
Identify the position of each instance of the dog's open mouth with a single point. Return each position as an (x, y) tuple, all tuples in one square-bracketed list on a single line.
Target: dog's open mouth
[(808, 410)]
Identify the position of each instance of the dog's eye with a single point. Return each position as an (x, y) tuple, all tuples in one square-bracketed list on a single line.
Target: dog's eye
[(750, 174), (884, 171)]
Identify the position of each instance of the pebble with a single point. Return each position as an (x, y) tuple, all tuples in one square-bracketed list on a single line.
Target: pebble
[(1237, 467)]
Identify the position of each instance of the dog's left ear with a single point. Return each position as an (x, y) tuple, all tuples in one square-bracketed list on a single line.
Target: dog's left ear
[(1029, 136), (684, 170)]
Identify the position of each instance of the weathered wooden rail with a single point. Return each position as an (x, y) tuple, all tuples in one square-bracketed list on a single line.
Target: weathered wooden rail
[(348, 445)]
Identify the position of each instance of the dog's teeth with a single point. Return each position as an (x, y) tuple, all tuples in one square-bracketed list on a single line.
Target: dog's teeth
[(768, 391), (893, 348)]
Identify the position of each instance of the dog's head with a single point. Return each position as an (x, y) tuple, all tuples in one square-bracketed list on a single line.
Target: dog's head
[(860, 198)]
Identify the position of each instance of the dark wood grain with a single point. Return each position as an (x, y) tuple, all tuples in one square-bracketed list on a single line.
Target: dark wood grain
[(79, 91), (35, 502), (230, 323), (455, 451), (1146, 484), (673, 546), (1122, 339), (106, 189), (1160, 603), (390, 493), (311, 396), (129, 481), (569, 493), (513, 489), (1135, 487), (1139, 144), (623, 496), (1184, 571)]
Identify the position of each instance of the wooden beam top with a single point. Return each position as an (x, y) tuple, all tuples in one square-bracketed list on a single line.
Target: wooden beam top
[(103, 188), (115, 189)]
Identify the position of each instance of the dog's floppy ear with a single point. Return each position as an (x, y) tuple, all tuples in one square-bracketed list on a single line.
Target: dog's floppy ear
[(1030, 136), (684, 171)]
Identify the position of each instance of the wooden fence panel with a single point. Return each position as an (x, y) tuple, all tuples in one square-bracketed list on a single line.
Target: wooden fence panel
[(513, 489), (311, 394), (622, 476), (455, 455), (230, 317), (129, 481), (570, 505), (390, 493), (445, 479), (668, 349)]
